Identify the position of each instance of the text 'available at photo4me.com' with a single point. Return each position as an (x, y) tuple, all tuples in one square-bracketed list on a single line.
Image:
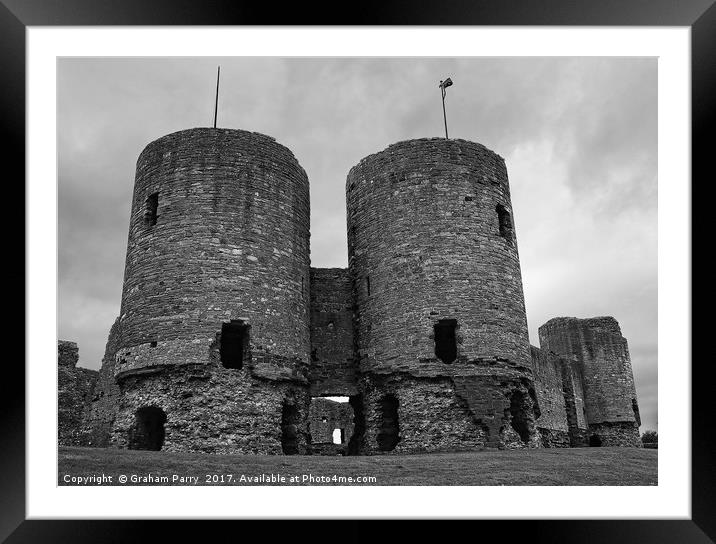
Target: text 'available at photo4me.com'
[(214, 479)]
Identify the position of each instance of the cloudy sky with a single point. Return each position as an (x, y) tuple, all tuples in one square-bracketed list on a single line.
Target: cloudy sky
[(579, 136)]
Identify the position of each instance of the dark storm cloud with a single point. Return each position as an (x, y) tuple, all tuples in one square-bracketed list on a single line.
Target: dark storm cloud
[(578, 136)]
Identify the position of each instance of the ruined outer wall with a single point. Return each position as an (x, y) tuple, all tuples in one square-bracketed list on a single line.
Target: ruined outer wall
[(603, 357), (424, 232), (602, 350), (105, 403), (333, 369), (573, 387), (75, 391), (558, 384), (231, 241), (552, 422)]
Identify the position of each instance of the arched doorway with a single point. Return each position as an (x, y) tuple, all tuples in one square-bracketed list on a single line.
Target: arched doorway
[(148, 430), (518, 413), (289, 429), (389, 433)]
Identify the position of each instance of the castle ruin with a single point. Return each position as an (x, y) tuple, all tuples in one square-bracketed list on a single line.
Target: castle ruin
[(228, 341)]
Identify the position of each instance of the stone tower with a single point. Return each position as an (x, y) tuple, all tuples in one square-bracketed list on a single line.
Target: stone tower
[(597, 346), (213, 341), (439, 322)]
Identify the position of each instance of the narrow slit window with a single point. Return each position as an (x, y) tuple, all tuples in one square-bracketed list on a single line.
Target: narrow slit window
[(505, 222), (234, 344), (367, 284), (150, 211), (446, 340)]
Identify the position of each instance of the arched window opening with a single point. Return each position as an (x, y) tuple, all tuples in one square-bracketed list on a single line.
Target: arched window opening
[(339, 436)]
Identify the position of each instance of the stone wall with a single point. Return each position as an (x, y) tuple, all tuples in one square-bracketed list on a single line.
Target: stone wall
[(552, 422), (623, 434), (429, 417), (211, 409), (572, 384), (558, 383), (75, 388), (333, 368), (105, 401), (491, 405)]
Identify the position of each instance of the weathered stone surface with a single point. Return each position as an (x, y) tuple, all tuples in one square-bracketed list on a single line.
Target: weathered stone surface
[(230, 242), (105, 402), (225, 334), (429, 251), (620, 434), (333, 366), (552, 438), (75, 389), (429, 417), (602, 356), (558, 384), (425, 253), (213, 409), (550, 395)]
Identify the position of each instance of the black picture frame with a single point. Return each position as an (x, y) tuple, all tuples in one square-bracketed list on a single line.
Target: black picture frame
[(16, 15)]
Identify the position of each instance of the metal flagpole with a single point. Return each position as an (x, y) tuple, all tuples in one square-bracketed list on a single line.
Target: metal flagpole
[(444, 114), (443, 85), (216, 103)]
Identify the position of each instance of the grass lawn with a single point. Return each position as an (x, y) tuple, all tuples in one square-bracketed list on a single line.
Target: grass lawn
[(577, 466)]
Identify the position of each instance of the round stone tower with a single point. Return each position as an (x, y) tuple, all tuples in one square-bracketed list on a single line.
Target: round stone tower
[(440, 324), (213, 339)]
